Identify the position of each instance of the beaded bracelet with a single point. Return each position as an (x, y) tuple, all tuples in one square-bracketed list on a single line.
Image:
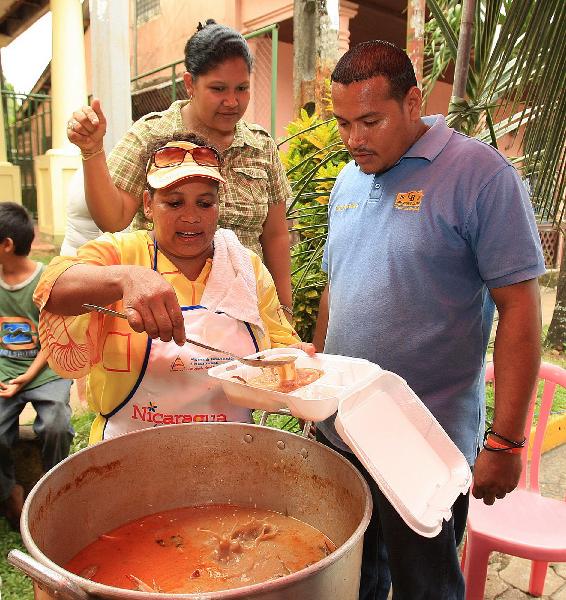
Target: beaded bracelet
[(287, 309), (89, 156), (495, 446), (512, 443)]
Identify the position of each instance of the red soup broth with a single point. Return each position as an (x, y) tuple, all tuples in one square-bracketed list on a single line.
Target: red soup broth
[(201, 549)]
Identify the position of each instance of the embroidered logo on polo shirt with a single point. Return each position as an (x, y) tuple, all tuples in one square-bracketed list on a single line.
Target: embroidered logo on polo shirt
[(350, 206), (409, 200)]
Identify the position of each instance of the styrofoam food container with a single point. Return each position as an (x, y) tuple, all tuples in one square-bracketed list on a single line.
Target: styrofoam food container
[(415, 464), (403, 447), (313, 402)]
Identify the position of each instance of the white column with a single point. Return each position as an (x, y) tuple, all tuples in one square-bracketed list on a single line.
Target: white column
[(348, 10), (54, 170), (110, 62), (68, 72), (109, 29)]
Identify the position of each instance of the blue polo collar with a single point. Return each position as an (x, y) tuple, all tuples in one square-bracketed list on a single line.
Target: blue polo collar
[(431, 144)]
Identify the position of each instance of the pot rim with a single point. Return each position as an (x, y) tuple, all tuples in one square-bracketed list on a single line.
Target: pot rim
[(94, 588)]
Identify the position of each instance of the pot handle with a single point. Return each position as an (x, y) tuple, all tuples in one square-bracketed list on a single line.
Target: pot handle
[(56, 584)]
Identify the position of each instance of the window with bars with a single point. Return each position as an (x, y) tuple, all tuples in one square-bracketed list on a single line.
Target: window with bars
[(146, 10)]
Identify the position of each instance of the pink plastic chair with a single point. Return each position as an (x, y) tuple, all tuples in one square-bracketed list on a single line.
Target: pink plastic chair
[(524, 523)]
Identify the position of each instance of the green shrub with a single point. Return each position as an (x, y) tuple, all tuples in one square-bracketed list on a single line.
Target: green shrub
[(313, 158), (81, 424), (284, 422)]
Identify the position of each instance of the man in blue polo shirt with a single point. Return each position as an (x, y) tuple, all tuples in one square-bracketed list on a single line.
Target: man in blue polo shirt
[(427, 228)]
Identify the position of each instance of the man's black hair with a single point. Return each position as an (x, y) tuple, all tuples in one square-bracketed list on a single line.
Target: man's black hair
[(211, 45), (16, 224), (373, 59)]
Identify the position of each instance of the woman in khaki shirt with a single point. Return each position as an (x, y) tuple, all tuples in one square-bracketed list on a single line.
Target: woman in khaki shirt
[(253, 200)]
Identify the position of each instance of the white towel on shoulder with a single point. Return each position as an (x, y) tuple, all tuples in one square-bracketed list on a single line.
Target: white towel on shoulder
[(232, 285)]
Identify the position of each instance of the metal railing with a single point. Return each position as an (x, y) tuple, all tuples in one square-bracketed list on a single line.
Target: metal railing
[(27, 124), (161, 90)]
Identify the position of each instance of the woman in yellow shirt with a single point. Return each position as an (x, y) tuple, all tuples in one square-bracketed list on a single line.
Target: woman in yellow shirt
[(183, 278)]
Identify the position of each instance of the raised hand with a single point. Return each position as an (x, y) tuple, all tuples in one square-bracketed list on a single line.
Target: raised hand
[(86, 128)]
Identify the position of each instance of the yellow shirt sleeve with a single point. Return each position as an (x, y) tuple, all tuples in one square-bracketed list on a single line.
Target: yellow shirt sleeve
[(280, 332), (71, 343)]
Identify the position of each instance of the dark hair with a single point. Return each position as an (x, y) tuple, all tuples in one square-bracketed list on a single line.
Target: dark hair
[(373, 59), (157, 143), (16, 224), (211, 45)]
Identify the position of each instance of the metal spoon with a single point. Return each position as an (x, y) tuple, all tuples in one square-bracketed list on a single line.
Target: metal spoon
[(252, 362)]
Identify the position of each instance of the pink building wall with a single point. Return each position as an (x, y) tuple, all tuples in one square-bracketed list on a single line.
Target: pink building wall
[(254, 14), (259, 109), (438, 100), (284, 88), (161, 40)]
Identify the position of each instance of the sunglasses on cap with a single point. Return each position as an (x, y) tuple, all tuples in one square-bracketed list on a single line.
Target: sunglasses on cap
[(172, 156)]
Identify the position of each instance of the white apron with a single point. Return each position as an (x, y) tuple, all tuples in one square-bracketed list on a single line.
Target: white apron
[(173, 386)]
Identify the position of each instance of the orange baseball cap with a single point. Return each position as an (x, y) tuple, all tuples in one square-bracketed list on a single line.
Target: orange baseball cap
[(183, 165)]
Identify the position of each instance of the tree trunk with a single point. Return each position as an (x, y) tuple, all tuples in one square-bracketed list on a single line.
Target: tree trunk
[(458, 101), (556, 336), (415, 36), (315, 52), (464, 49)]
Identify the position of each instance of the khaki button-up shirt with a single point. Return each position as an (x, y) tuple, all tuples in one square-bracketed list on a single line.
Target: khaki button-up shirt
[(254, 175)]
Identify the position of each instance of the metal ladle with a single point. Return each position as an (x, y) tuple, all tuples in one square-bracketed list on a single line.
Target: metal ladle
[(252, 362)]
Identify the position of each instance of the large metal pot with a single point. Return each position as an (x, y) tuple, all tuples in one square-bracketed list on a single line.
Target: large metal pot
[(169, 467)]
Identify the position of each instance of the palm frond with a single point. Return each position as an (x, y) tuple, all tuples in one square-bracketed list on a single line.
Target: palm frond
[(517, 66)]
